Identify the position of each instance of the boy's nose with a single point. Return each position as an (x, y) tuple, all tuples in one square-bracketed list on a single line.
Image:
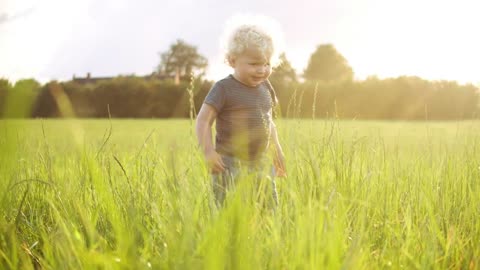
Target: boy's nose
[(262, 69)]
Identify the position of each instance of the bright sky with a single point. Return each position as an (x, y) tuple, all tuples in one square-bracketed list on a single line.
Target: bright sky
[(54, 39)]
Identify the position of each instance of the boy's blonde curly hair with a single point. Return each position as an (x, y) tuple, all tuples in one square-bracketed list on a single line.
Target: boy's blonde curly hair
[(260, 32)]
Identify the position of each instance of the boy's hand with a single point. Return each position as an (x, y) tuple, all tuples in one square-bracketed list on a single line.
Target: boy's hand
[(215, 162), (279, 163)]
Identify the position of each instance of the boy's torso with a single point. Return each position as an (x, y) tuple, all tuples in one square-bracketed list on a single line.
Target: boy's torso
[(243, 124)]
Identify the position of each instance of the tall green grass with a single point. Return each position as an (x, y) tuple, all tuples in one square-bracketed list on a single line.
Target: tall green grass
[(130, 194)]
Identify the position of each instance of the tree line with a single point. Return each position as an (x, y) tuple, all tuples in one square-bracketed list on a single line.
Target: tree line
[(177, 89)]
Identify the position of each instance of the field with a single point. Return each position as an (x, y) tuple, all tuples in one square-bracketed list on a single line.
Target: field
[(135, 194)]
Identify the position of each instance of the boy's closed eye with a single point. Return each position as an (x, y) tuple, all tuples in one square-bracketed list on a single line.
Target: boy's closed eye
[(259, 64)]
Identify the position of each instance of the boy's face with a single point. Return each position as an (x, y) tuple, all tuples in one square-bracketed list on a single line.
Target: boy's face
[(252, 67)]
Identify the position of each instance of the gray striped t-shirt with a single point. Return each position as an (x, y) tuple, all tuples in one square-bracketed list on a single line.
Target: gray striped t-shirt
[(244, 116)]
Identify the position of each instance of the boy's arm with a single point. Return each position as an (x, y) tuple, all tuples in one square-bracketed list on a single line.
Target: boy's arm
[(278, 156), (206, 117)]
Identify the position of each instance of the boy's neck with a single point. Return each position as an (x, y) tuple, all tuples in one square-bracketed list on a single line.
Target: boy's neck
[(236, 77)]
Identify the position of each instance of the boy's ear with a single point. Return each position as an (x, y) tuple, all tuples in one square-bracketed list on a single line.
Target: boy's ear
[(231, 60)]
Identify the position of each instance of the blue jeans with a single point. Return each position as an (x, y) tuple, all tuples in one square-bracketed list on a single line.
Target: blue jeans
[(225, 181)]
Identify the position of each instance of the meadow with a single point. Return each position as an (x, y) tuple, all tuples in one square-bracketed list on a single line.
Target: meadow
[(136, 194)]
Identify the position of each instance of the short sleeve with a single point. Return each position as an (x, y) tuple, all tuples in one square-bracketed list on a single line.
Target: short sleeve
[(216, 97), (273, 95)]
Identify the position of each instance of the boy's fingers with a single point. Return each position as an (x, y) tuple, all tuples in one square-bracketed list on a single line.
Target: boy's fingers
[(220, 166), (281, 173), (218, 169), (280, 162), (221, 162)]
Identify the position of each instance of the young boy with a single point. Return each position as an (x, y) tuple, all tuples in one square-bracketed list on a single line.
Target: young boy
[(242, 105)]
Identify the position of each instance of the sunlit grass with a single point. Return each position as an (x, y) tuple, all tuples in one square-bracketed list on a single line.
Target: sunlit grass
[(135, 194)]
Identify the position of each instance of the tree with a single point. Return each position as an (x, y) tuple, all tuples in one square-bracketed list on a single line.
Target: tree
[(284, 80), (181, 60), (5, 87), (284, 73), (20, 98), (46, 105), (327, 64)]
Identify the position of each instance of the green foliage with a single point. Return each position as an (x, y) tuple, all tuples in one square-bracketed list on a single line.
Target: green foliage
[(18, 99), (124, 97), (46, 104), (359, 195), (402, 98), (5, 87), (182, 58), (327, 64), (284, 73)]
